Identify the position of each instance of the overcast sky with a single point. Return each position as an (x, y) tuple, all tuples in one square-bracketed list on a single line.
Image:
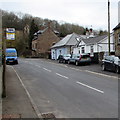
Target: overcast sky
[(81, 12)]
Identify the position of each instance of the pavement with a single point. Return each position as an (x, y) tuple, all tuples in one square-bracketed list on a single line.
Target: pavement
[(17, 104)]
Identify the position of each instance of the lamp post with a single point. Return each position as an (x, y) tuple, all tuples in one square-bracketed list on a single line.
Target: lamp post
[(109, 27)]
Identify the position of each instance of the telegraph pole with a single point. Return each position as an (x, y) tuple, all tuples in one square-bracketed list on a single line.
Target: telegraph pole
[(109, 27), (4, 66)]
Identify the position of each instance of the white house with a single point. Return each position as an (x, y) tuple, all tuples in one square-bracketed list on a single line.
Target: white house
[(64, 46), (119, 12), (94, 45)]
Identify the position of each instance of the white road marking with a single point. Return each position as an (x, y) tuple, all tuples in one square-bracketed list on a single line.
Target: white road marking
[(97, 73), (28, 94), (38, 66), (62, 75), (90, 87), (58, 64), (47, 69), (75, 69), (101, 74)]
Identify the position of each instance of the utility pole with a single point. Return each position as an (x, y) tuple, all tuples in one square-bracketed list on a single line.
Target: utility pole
[(109, 26), (4, 66)]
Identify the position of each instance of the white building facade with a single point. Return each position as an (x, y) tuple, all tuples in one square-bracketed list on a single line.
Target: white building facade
[(64, 46), (95, 45), (119, 12)]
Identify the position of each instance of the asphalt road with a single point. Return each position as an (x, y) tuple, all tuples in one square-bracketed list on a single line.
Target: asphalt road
[(67, 91)]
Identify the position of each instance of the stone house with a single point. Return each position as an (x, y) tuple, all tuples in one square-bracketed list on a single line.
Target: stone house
[(43, 41), (117, 39)]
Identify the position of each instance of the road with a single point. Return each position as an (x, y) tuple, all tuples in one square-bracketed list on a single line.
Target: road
[(68, 92)]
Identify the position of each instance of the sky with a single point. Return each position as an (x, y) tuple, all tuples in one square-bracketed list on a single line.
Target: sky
[(85, 13)]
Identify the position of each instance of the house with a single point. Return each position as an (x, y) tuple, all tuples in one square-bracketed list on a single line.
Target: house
[(43, 41), (95, 46), (64, 46), (117, 39), (119, 12)]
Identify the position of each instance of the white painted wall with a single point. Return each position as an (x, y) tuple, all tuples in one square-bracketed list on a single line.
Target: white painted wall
[(104, 47), (55, 52), (118, 12), (98, 47)]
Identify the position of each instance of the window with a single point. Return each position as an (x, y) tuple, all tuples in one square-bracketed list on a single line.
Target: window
[(91, 49), (83, 50), (60, 52), (119, 38)]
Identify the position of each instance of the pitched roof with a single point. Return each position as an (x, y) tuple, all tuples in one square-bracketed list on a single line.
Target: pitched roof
[(94, 39), (118, 26), (68, 40), (39, 32)]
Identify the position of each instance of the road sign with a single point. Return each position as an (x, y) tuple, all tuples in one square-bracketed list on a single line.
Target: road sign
[(10, 33)]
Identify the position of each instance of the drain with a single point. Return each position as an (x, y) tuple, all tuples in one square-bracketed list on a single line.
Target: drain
[(48, 115)]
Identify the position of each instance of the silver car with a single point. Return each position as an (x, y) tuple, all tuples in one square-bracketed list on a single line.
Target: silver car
[(79, 58)]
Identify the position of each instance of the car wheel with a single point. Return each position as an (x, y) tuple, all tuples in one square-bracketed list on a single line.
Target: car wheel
[(117, 69), (103, 67), (76, 63), (16, 62), (63, 61)]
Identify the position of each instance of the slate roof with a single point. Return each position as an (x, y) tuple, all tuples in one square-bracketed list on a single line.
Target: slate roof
[(39, 32), (67, 41), (118, 26), (94, 39)]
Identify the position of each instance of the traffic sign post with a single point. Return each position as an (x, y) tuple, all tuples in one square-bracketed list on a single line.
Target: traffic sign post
[(10, 33)]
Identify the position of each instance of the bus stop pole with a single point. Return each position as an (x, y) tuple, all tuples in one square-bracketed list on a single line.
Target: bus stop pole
[(4, 66)]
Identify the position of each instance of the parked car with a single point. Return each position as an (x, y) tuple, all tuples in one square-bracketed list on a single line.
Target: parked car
[(66, 57), (63, 58), (80, 58), (60, 58), (11, 56), (111, 63)]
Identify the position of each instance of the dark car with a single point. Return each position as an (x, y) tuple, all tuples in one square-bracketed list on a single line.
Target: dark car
[(111, 63), (80, 58), (60, 58)]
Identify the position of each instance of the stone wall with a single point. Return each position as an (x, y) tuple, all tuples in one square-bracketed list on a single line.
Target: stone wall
[(117, 44)]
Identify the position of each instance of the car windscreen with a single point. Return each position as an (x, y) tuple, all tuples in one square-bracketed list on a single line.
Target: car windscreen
[(11, 54)]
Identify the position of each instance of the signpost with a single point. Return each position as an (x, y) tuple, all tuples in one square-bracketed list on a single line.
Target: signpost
[(9, 34)]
